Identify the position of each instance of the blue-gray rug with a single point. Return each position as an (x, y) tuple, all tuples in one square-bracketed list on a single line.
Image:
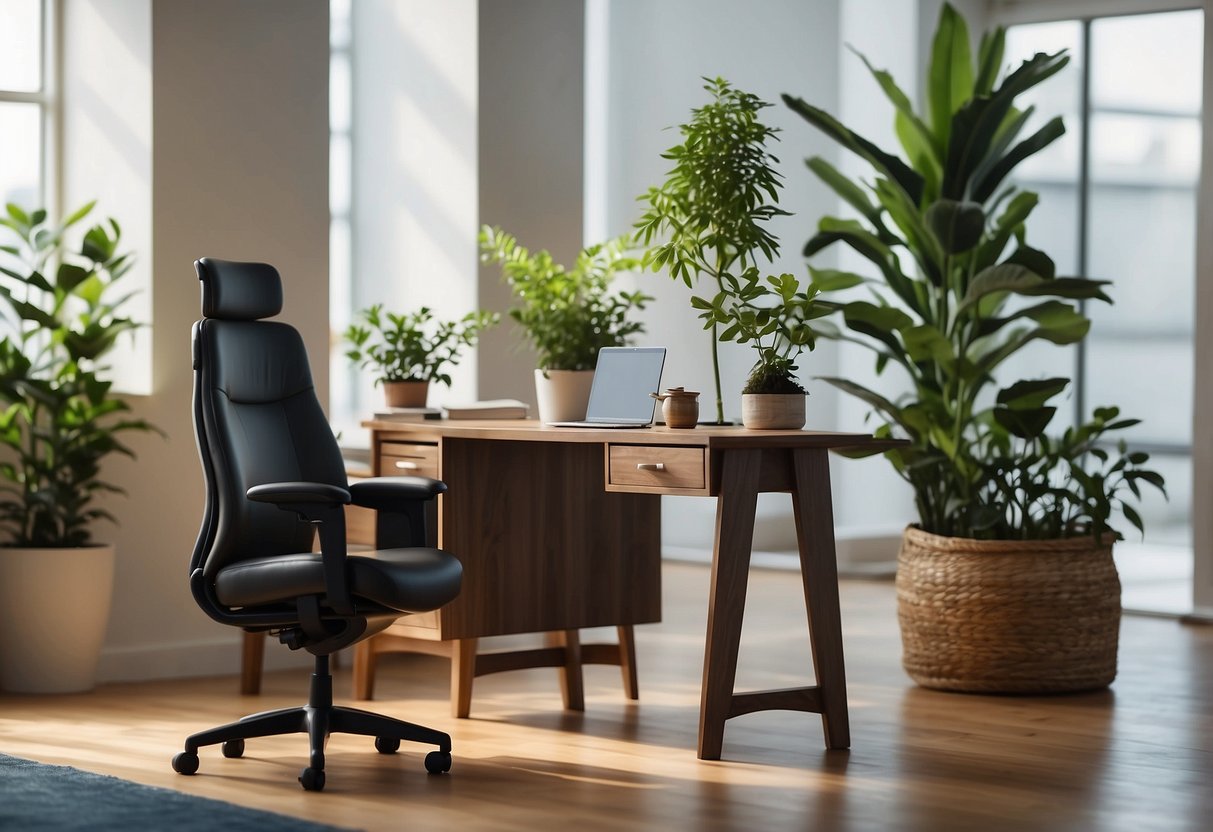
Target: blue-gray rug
[(37, 797)]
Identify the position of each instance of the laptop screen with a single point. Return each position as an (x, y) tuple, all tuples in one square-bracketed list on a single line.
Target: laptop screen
[(623, 380)]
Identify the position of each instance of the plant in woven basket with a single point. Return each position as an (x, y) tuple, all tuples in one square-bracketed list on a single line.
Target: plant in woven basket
[(955, 292)]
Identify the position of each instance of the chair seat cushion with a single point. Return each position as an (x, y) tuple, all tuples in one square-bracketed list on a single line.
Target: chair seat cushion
[(408, 580)]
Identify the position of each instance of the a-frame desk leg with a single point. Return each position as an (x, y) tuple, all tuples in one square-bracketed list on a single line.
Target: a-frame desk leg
[(740, 480), (811, 503), (735, 507)]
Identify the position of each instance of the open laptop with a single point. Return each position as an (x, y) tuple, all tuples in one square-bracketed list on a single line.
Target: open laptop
[(620, 394)]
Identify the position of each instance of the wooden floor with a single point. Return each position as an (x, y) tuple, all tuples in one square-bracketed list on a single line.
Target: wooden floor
[(1137, 757)]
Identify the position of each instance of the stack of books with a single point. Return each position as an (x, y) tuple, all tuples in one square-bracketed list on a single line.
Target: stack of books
[(407, 414), (492, 409)]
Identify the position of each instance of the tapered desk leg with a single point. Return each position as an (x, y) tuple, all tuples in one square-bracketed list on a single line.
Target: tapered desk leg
[(627, 660), (463, 671), (814, 512), (364, 669), (735, 508), (251, 659), (572, 684)]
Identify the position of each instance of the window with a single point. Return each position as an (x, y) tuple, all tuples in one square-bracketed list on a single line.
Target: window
[(24, 104), (1118, 202), (342, 379)]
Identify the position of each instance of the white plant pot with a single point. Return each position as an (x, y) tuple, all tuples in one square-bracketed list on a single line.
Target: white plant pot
[(772, 411), (563, 395), (54, 609)]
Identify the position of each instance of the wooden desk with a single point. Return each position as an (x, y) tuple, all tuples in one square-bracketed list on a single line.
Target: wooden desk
[(558, 528)]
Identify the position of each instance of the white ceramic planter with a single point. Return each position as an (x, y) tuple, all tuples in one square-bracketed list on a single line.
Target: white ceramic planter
[(772, 411), (54, 609), (563, 395)]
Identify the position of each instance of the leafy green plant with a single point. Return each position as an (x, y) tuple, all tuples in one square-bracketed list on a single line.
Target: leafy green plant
[(950, 304), (60, 419), (414, 346), (1041, 487), (712, 208), (567, 314), (772, 316)]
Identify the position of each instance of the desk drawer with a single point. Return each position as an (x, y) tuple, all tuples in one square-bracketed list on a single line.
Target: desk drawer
[(657, 466), (405, 459)]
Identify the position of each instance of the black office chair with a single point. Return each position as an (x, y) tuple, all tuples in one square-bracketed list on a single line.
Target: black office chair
[(274, 475)]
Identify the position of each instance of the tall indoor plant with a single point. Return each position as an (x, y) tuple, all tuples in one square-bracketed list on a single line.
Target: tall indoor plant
[(407, 351), (566, 314), (957, 291), (711, 211), (59, 420)]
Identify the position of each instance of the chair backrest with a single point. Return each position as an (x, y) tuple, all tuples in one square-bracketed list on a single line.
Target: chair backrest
[(256, 416)]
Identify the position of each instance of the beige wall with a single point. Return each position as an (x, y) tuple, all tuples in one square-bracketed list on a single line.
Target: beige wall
[(239, 171), (529, 120)]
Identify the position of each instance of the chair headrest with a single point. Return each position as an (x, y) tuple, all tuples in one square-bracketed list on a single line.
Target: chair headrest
[(233, 291)]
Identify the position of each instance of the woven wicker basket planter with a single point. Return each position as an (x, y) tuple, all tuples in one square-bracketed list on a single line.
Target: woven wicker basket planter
[(998, 616)]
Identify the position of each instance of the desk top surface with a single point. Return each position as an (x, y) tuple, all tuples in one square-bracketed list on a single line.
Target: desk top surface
[(704, 436)]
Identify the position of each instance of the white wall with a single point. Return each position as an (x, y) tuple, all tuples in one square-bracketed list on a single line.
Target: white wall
[(530, 157), (106, 130), (414, 165), (239, 170)]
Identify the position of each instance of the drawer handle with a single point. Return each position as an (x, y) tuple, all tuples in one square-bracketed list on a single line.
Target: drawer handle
[(406, 466), (650, 466)]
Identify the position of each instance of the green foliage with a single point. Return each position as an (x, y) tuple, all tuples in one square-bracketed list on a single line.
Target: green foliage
[(956, 291), (772, 316), (59, 419), (567, 314), (712, 208), (413, 346)]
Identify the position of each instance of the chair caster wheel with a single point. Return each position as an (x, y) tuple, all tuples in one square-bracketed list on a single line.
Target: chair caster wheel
[(233, 749), (185, 762), (312, 779), (387, 745), (438, 762)]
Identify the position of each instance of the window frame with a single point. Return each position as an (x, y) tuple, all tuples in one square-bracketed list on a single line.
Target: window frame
[(47, 99)]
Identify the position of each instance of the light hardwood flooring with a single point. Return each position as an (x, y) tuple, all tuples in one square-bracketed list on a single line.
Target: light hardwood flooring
[(1136, 757)]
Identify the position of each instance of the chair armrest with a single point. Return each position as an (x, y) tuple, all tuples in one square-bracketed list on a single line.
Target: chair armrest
[(321, 504), (287, 493), (394, 493)]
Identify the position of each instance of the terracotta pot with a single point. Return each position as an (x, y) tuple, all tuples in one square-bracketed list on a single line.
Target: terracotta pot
[(1007, 616), (54, 609), (563, 395), (773, 411), (679, 407), (406, 393)]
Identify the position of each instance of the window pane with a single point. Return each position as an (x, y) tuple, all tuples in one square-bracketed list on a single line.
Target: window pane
[(21, 161), (1147, 61), (1145, 167), (1053, 175), (21, 45)]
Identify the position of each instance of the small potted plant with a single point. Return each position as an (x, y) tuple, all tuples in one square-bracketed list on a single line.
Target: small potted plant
[(408, 351), (567, 314), (59, 420), (711, 212), (772, 316)]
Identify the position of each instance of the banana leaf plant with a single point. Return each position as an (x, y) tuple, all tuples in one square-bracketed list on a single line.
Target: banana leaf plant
[(955, 291), (59, 417)]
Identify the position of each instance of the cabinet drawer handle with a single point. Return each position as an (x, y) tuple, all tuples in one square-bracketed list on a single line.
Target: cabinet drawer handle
[(406, 466), (650, 466)]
